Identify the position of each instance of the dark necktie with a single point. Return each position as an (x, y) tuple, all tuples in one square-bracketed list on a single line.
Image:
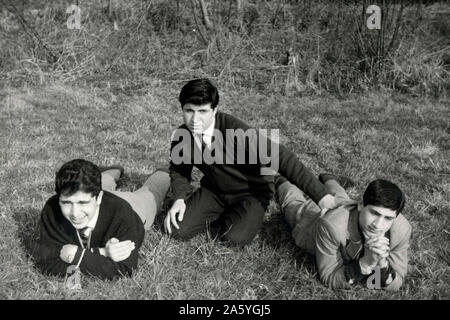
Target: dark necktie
[(84, 235), (198, 138)]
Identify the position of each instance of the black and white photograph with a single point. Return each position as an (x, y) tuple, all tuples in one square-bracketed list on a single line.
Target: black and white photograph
[(225, 158)]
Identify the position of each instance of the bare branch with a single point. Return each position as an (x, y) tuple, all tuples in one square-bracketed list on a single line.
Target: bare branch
[(196, 22), (240, 12), (32, 33), (205, 14), (229, 12), (398, 22)]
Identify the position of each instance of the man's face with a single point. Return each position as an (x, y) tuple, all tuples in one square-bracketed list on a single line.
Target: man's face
[(375, 221), (198, 118), (79, 208)]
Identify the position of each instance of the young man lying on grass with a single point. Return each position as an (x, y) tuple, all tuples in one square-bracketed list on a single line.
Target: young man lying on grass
[(351, 241), (99, 230), (235, 191)]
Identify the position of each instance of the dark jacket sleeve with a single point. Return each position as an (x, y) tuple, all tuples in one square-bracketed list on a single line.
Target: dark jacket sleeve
[(181, 171), (294, 170), (51, 240), (95, 264), (129, 227), (277, 157)]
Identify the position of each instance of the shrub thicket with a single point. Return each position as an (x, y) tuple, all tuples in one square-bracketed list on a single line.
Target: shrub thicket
[(274, 46)]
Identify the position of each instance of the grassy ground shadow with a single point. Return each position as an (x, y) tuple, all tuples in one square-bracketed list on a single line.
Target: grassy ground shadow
[(27, 220)]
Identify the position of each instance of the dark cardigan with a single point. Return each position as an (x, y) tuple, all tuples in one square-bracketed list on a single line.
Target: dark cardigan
[(240, 178), (116, 219)]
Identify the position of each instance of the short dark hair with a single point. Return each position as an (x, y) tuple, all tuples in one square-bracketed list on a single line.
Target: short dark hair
[(198, 92), (78, 175), (383, 193)]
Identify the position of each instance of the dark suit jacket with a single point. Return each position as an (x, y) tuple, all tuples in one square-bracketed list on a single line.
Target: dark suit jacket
[(237, 178)]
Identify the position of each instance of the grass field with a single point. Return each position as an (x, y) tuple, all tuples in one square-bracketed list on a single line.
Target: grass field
[(363, 136)]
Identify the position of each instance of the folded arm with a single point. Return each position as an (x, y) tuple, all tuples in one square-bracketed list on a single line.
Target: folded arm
[(180, 170)]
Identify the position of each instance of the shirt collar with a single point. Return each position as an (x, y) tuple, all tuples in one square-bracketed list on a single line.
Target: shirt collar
[(91, 224), (210, 131)]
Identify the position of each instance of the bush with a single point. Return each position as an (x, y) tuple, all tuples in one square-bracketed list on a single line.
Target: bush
[(294, 47)]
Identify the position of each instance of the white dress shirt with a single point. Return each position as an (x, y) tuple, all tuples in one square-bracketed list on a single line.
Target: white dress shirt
[(207, 136)]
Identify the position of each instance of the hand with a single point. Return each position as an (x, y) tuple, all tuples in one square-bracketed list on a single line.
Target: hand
[(68, 252), (118, 250), (326, 203), (178, 207), (376, 249), (383, 263)]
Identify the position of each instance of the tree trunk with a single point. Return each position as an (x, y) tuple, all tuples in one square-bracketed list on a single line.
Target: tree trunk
[(240, 13), (206, 19), (196, 22)]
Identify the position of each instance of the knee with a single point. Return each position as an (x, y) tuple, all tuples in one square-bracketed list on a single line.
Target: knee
[(182, 234), (291, 214), (238, 239)]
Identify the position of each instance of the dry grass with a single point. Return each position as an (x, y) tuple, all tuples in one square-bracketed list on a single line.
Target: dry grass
[(155, 41)]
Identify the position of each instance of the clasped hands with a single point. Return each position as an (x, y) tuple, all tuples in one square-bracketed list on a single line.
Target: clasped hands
[(376, 251), (114, 249)]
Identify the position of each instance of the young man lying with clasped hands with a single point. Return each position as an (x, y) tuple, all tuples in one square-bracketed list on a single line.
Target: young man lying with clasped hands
[(356, 240)]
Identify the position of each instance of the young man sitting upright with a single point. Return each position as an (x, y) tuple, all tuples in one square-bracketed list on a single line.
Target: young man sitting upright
[(237, 186)]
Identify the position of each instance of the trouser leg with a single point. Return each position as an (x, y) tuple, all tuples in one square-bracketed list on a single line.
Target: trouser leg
[(158, 184), (202, 207), (147, 200), (302, 214), (292, 201), (241, 221)]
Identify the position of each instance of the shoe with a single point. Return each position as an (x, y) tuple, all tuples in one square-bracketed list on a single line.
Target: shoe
[(342, 180), (113, 167)]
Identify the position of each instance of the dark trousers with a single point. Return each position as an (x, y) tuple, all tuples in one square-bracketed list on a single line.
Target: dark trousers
[(234, 218)]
